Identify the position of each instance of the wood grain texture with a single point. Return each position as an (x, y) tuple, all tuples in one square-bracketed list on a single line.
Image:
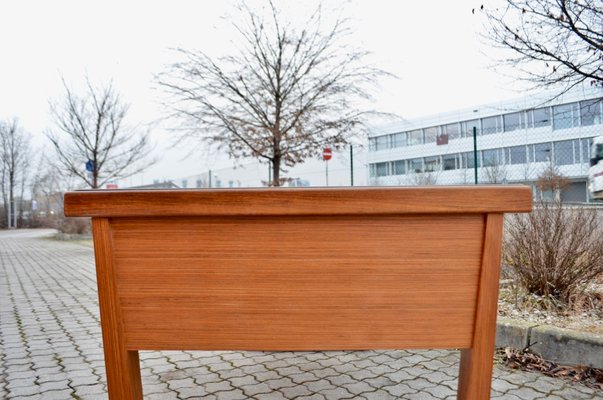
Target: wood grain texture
[(475, 372), (122, 365), (298, 283), (297, 201)]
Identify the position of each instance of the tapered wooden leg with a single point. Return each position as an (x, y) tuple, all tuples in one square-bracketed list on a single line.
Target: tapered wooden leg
[(122, 365), (475, 374), (123, 374)]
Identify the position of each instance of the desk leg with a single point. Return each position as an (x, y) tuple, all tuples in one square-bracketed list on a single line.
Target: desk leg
[(122, 366), (475, 375)]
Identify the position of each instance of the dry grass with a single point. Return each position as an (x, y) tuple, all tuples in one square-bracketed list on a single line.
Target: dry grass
[(584, 311)]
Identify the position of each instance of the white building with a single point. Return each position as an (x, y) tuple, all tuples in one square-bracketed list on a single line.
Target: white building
[(517, 141)]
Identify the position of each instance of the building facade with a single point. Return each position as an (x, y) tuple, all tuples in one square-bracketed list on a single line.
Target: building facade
[(525, 140)]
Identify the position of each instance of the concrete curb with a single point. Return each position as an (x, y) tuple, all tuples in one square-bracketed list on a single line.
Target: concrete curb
[(563, 346)]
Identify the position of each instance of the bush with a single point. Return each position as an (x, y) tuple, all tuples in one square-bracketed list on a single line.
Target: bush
[(554, 252), (78, 226)]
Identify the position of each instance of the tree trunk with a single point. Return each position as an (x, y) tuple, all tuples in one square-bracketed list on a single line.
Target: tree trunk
[(276, 171), (12, 212)]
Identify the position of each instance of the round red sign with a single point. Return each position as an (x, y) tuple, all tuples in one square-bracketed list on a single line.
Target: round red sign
[(327, 154)]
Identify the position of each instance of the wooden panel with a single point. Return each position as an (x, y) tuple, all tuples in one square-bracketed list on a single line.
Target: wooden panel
[(307, 201), (298, 283), (122, 366), (475, 372)]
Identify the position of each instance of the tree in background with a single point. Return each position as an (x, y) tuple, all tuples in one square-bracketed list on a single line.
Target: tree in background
[(283, 96), (552, 181), (15, 156), (551, 41), (91, 140)]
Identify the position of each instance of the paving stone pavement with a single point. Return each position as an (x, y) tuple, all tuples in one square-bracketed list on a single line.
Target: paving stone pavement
[(50, 348)]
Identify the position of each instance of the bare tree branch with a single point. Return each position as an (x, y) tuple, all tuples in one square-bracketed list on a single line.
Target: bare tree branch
[(552, 42), (284, 96), (91, 128), (15, 154)]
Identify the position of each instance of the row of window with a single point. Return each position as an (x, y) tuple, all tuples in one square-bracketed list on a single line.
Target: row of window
[(565, 152), (583, 113)]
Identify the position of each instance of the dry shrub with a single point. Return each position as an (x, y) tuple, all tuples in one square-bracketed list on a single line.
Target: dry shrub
[(79, 226), (554, 252)]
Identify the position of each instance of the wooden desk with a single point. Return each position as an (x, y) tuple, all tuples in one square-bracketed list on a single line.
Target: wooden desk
[(298, 269)]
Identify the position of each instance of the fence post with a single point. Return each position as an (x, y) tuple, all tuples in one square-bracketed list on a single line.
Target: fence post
[(351, 165), (475, 153)]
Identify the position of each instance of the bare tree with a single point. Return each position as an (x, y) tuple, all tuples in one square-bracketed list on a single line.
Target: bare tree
[(48, 185), (552, 41), (91, 139), (15, 157), (282, 97), (551, 180), (495, 172), (425, 178)]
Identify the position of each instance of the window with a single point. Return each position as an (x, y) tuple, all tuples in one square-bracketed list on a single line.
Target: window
[(469, 159), (542, 152), (590, 112), (452, 130), (565, 116), (517, 155), (416, 165), (491, 125), (467, 127), (596, 150), (514, 121), (399, 139), (492, 157), (432, 164), (381, 169), (184, 183), (450, 161), (382, 142), (372, 144), (564, 152), (399, 167), (415, 137), (539, 117), (431, 134)]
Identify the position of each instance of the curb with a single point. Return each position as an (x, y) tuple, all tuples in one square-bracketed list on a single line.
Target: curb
[(562, 346)]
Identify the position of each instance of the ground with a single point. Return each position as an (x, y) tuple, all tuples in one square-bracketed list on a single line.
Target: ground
[(50, 348)]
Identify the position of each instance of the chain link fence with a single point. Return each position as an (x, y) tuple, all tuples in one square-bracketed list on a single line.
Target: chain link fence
[(347, 167), (548, 147)]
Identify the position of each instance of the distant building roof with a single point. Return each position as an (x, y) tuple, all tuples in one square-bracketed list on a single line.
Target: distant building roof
[(158, 185)]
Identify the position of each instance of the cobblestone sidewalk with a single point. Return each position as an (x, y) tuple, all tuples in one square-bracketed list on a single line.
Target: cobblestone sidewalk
[(50, 348)]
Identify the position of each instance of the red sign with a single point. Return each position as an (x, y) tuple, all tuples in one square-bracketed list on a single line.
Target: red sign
[(111, 186), (327, 154)]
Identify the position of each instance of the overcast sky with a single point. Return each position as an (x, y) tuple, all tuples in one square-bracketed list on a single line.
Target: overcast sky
[(432, 46)]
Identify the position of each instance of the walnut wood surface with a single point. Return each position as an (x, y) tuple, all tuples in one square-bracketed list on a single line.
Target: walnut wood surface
[(311, 269), (298, 201)]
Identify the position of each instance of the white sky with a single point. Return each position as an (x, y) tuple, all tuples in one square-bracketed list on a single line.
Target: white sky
[(431, 45)]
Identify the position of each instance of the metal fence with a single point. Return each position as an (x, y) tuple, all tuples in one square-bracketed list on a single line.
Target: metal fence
[(347, 167), (548, 148)]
